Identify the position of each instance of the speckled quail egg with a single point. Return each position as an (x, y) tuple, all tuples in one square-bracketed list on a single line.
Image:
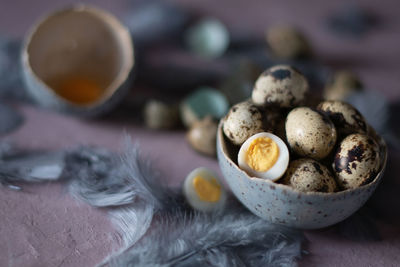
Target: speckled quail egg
[(310, 133), (308, 175), (287, 42), (264, 155), (342, 85), (281, 86), (242, 121), (202, 136), (344, 116), (356, 161), (204, 191)]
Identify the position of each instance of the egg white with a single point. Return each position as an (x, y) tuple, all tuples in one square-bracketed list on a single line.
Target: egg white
[(277, 170), (191, 195)]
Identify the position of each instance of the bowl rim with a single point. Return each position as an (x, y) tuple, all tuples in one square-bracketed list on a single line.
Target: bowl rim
[(99, 13), (221, 145)]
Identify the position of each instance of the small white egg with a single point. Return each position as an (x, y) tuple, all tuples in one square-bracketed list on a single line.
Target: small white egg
[(204, 191), (264, 155)]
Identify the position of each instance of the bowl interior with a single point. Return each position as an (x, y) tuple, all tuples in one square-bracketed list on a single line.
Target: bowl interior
[(82, 54)]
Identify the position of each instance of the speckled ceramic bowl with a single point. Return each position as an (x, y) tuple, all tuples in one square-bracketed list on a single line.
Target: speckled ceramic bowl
[(280, 204), (78, 43)]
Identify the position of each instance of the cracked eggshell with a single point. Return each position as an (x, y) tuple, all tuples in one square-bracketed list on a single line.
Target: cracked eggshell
[(281, 86), (242, 121), (308, 175), (310, 133), (345, 117), (281, 204), (357, 161)]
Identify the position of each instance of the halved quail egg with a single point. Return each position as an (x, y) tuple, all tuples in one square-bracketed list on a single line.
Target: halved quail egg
[(204, 191), (264, 155)]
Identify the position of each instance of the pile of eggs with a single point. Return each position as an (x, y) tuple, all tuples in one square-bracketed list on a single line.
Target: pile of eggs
[(279, 136)]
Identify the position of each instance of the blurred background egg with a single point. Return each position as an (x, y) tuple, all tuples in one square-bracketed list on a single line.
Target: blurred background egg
[(204, 191), (264, 155)]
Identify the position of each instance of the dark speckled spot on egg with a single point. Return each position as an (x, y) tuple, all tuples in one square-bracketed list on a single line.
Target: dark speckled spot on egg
[(318, 167), (281, 74)]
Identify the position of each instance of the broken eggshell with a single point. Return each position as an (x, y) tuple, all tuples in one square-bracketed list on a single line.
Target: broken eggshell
[(78, 60), (278, 203)]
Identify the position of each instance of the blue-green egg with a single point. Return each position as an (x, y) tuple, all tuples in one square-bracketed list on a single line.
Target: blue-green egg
[(208, 38), (204, 101)]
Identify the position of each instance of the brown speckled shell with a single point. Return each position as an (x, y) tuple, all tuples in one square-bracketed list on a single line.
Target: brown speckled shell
[(278, 203), (308, 175), (356, 161), (346, 118), (242, 121), (281, 86), (310, 133)]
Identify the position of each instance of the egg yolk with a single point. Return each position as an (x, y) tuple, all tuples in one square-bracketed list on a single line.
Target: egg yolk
[(207, 190), (262, 154), (79, 90)]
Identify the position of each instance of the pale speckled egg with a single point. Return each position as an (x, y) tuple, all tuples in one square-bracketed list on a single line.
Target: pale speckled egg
[(242, 121), (344, 116), (308, 175), (264, 155), (287, 42), (281, 86), (310, 133), (202, 136), (204, 191), (342, 85), (357, 161)]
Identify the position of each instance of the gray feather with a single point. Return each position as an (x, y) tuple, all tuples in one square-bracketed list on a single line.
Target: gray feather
[(234, 238), (10, 69), (10, 119)]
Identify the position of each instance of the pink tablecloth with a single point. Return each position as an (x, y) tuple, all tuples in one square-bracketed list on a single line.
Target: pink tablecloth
[(44, 226)]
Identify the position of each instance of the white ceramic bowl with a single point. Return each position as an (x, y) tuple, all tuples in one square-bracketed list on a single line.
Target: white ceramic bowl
[(278, 203), (80, 41)]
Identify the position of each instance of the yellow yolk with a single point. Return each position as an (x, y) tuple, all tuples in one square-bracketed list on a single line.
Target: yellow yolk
[(207, 190), (79, 90), (262, 154)]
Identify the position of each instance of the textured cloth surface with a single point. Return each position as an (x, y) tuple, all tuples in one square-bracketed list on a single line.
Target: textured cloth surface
[(44, 226)]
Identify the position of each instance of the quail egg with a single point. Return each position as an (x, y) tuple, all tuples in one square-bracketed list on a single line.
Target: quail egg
[(203, 190), (202, 136), (264, 155), (242, 121), (356, 161), (203, 102), (308, 175), (281, 86), (310, 133), (342, 85), (346, 118), (160, 115), (287, 42)]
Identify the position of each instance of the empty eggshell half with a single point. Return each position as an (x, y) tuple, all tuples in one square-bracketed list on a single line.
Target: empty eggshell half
[(78, 60)]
